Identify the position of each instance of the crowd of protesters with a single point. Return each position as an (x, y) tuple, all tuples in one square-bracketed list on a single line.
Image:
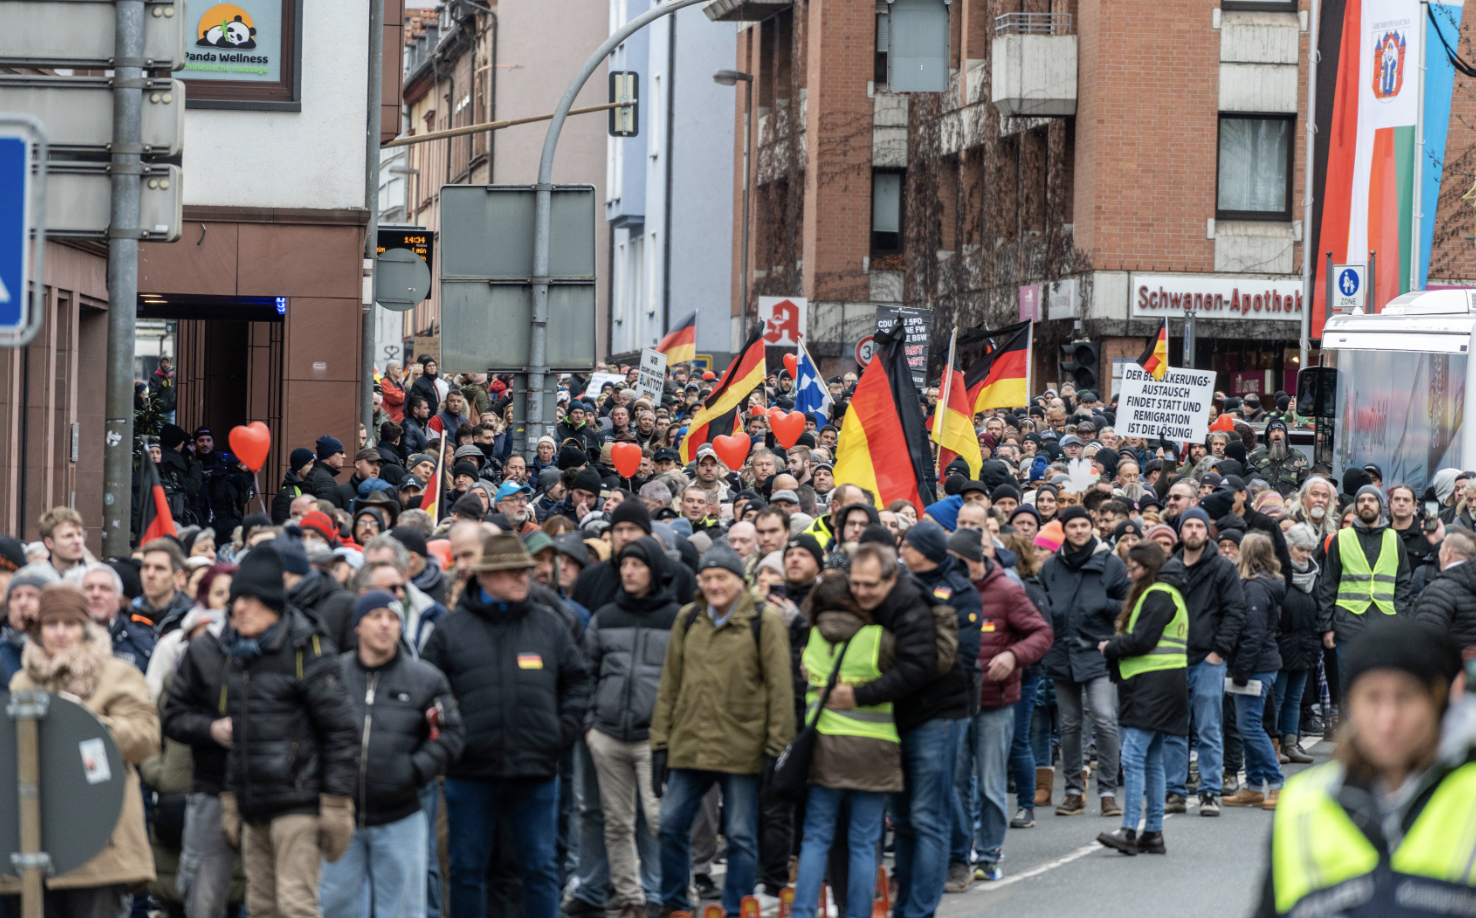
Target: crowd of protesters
[(551, 686)]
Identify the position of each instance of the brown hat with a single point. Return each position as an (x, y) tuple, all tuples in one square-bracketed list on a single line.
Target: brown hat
[(503, 552), (368, 453), (62, 602)]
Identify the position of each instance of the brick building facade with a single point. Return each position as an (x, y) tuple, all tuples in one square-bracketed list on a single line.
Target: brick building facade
[(1086, 155)]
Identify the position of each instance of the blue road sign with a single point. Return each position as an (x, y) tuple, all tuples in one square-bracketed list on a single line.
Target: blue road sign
[(1349, 282), (15, 226)]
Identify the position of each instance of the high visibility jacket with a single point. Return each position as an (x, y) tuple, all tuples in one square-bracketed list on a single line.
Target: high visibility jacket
[(1172, 651), (859, 666), (1359, 585), (1318, 852)]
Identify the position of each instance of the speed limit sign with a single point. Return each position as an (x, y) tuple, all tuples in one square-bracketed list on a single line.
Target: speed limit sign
[(864, 349)]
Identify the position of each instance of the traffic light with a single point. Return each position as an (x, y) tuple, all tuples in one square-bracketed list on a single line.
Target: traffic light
[(1079, 361), (625, 121)]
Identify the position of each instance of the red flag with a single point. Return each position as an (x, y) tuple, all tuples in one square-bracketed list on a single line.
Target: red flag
[(155, 520)]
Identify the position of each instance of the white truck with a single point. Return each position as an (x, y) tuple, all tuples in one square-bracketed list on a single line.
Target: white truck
[(1401, 381)]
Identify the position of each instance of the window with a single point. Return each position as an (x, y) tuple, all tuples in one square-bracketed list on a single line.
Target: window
[(251, 62), (918, 46), (883, 45), (1255, 171), (1279, 6), (886, 213)]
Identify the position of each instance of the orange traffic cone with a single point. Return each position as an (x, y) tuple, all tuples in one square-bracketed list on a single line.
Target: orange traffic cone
[(786, 901), (881, 904)]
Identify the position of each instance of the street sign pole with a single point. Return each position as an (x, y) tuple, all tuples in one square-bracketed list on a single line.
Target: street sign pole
[(372, 128), (123, 235), (27, 708)]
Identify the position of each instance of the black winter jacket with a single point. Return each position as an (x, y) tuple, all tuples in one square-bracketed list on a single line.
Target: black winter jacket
[(907, 615), (625, 644), (598, 584), (521, 683), (949, 584), (292, 488), (293, 735), (1084, 607), (323, 485), (1216, 602), (320, 596), (194, 704), (1256, 652), (1158, 700), (1449, 603), (1299, 641), (397, 757)]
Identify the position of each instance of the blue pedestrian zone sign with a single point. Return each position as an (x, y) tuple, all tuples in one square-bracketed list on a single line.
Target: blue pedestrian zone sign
[(15, 226), (1349, 288)]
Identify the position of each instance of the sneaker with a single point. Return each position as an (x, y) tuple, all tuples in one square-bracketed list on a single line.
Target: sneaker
[(1230, 785), (706, 888), (1245, 797), (1024, 818), (1193, 781), (960, 878), (1151, 843), (578, 908), (988, 870), (1120, 839), (1313, 725), (1073, 805), (1208, 805), (1110, 807), (1174, 803)]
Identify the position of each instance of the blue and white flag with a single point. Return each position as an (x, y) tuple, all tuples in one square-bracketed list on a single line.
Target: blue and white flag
[(810, 391)]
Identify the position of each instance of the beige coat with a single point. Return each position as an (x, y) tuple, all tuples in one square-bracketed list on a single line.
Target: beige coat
[(116, 692)]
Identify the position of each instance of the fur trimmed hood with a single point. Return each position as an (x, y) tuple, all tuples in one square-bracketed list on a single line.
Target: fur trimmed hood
[(75, 670)]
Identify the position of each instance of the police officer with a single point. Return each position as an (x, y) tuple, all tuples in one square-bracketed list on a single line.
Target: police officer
[(1384, 829), (1282, 467), (1366, 576)]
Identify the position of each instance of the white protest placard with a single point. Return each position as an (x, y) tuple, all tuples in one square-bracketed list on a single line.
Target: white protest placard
[(597, 382), (653, 375), (1176, 407)]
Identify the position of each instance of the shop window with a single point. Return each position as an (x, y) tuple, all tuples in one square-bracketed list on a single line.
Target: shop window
[(1255, 168), (886, 213)]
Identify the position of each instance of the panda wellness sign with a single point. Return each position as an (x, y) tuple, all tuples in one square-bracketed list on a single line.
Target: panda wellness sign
[(1176, 407), (236, 41)]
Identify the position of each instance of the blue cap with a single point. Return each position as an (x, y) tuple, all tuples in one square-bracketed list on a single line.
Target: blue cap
[(509, 488), (374, 599)]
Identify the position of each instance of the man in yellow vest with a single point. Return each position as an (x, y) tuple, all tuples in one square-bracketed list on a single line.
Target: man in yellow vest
[(1385, 828), (1366, 575)]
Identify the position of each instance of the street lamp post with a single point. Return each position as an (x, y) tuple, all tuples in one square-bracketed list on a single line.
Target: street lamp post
[(730, 78)]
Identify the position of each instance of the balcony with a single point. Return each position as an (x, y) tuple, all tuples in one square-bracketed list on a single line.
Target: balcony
[(743, 10), (1034, 66)]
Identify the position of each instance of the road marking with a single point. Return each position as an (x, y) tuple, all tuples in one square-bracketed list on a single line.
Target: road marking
[(1081, 852)]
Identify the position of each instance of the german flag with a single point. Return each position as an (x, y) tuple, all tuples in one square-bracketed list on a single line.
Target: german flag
[(720, 412), (1001, 378), (680, 344), (154, 518), (953, 422), (435, 488), (883, 443), (1155, 359)]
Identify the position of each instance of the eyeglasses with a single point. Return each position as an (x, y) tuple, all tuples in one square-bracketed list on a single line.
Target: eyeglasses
[(397, 588)]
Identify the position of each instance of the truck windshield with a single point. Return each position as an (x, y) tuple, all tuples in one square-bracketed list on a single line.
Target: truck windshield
[(1401, 410)]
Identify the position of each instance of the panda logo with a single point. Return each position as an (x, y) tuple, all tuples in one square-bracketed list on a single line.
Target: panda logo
[(227, 26)]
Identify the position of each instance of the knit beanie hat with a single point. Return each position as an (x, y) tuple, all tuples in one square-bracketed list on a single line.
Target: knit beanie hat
[(40, 576), (328, 446), (808, 543), (877, 534), (571, 457), (469, 506), (375, 599), (930, 540), (630, 511), (1400, 644), (968, 544), (260, 576), (1271, 504), (1051, 536), (62, 602), (1194, 513), (589, 480), (1163, 529), (1073, 512), (1370, 489), (299, 458), (720, 555)]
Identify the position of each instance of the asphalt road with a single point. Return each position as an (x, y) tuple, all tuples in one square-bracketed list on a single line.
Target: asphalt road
[(1213, 866)]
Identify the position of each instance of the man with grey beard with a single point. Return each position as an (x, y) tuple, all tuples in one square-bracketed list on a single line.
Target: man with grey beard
[(1282, 467)]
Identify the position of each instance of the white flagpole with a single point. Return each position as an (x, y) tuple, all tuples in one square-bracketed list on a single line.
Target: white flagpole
[(940, 414), (1417, 202)]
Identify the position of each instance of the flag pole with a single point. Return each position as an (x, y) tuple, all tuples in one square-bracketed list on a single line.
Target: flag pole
[(940, 413), (1418, 221), (1030, 362)]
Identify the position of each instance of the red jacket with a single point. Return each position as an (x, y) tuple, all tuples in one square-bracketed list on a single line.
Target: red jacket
[(1010, 622), (394, 400)]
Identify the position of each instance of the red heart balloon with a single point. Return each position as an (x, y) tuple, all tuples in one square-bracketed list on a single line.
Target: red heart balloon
[(627, 458), (757, 411), (788, 427), (774, 413), (732, 449), (791, 363), (251, 444)]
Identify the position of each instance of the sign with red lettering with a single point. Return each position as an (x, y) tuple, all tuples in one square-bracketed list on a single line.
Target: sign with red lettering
[(1154, 296), (784, 319), (918, 324)]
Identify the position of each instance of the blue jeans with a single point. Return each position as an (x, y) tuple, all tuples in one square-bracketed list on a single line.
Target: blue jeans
[(1142, 773), (685, 788), (592, 867), (1043, 729), (1261, 767), (1290, 684), (921, 816), (1022, 751), (985, 813), (381, 875), (430, 803), (1206, 695), (961, 801), (822, 809), (473, 809)]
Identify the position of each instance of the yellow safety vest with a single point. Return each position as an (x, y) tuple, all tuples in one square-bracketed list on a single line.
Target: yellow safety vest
[(1360, 586), (1315, 846), (858, 667), (1172, 651)]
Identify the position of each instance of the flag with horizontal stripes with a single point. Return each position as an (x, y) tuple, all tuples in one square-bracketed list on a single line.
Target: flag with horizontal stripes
[(883, 443), (1155, 359), (680, 344), (1001, 378), (153, 516), (720, 412), (953, 421)]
